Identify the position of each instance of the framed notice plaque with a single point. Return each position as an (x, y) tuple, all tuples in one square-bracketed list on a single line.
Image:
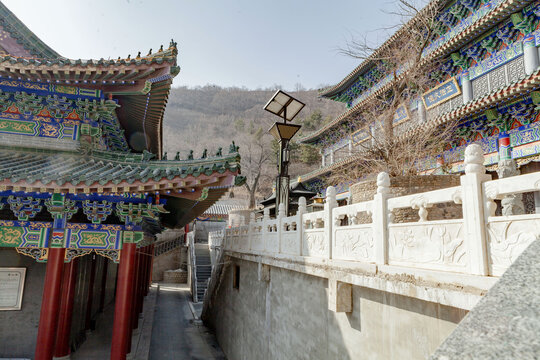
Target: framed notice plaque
[(11, 288)]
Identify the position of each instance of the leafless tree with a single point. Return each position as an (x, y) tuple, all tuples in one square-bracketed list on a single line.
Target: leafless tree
[(256, 157), (403, 58)]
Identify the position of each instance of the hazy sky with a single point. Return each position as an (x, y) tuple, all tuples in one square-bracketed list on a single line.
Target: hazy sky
[(251, 43)]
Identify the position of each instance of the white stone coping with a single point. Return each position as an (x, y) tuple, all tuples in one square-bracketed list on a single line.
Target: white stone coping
[(461, 291)]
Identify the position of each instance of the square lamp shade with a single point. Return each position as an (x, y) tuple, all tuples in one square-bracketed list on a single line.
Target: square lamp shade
[(282, 131), (284, 106)]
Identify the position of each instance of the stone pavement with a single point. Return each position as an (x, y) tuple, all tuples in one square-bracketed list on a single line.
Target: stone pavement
[(169, 329), (177, 332), (98, 344)]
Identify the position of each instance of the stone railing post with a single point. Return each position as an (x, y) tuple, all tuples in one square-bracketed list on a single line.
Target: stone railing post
[(380, 218), (281, 214), (330, 204), (266, 217), (251, 224), (302, 209), (473, 209)]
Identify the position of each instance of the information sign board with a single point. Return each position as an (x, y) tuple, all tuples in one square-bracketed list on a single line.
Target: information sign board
[(11, 287)]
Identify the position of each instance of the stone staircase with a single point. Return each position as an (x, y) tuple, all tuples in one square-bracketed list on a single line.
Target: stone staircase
[(203, 271)]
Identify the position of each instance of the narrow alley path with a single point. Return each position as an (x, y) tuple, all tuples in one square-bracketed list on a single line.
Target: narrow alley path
[(175, 333)]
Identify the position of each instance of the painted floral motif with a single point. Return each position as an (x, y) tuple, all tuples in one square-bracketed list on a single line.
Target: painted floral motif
[(354, 244), (289, 244), (314, 243)]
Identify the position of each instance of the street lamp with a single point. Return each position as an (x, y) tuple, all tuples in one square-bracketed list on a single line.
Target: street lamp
[(286, 107)]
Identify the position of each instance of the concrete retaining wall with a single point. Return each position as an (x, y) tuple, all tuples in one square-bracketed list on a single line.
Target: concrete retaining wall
[(171, 260), (287, 317), (202, 228)]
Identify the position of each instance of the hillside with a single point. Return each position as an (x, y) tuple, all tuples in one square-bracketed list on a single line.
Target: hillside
[(211, 116)]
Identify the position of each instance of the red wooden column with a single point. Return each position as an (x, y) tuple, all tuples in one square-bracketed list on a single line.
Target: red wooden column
[(103, 292), (134, 315), (144, 278), (90, 302), (50, 304), (151, 264), (144, 270), (148, 261), (123, 303), (139, 293), (136, 292), (140, 297), (69, 282)]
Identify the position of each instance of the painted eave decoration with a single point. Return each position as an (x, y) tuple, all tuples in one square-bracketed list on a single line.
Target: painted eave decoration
[(493, 12)]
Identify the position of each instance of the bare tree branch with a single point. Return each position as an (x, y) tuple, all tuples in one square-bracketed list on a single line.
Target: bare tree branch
[(402, 58)]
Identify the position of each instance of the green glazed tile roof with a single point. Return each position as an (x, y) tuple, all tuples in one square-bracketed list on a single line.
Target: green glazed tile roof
[(104, 168), (168, 55), (24, 36)]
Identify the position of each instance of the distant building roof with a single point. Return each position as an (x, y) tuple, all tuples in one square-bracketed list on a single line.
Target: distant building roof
[(296, 191), (220, 210)]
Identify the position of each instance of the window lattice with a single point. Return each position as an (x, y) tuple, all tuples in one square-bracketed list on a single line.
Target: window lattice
[(457, 102), (497, 78), (516, 70)]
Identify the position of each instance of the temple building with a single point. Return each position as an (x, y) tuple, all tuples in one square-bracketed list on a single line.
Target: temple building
[(487, 82), (84, 188)]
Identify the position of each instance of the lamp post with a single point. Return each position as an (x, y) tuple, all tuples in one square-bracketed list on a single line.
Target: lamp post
[(287, 107)]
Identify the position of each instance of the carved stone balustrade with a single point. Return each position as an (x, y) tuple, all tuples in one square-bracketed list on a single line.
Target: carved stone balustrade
[(477, 244)]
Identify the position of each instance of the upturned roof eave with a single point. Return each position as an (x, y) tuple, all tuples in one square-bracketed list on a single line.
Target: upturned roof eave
[(27, 38), (364, 65)]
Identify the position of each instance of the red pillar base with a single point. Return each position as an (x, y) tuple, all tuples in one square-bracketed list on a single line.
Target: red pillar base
[(67, 357), (50, 305)]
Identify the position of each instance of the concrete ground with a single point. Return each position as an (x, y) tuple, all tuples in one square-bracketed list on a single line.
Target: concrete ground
[(177, 332)]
